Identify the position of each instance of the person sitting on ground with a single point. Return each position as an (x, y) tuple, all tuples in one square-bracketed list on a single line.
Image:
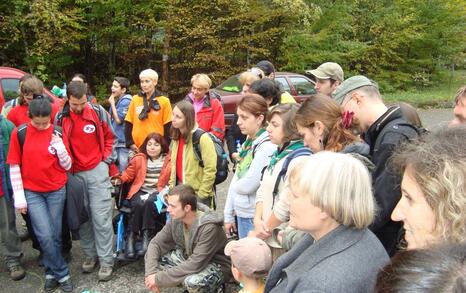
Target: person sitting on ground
[(251, 260), (12, 250), (328, 76), (331, 199), (149, 111), (433, 188), (185, 166), (272, 207), (148, 172), (441, 269), (253, 157), (209, 111), (460, 107), (190, 248), (38, 166)]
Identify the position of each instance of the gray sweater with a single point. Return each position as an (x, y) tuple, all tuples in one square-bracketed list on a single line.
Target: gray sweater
[(344, 260)]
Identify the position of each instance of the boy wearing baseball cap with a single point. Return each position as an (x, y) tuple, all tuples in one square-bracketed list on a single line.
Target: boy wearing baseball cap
[(328, 76), (251, 260)]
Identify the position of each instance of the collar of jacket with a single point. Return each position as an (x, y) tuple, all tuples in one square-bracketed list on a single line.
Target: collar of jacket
[(206, 103), (374, 130)]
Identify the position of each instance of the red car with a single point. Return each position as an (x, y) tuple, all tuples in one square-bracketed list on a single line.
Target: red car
[(9, 84), (229, 92)]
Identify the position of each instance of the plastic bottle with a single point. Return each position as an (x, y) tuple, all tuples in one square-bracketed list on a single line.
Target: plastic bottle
[(63, 92)]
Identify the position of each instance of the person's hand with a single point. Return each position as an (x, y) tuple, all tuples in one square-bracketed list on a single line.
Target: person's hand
[(230, 228), (261, 230), (111, 99), (23, 210), (57, 143), (150, 283), (235, 156)]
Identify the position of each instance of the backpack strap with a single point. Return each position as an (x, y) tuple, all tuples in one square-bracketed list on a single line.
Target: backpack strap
[(294, 154), (57, 130), (197, 147)]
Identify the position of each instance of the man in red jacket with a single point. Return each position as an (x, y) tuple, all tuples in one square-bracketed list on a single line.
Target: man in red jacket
[(91, 137), (209, 112)]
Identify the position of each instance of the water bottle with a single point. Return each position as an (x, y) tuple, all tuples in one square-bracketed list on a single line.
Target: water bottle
[(63, 92), (238, 146)]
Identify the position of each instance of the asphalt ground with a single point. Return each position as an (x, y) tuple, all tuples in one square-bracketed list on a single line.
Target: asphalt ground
[(129, 277)]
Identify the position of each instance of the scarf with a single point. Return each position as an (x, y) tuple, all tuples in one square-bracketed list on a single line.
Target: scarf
[(284, 151), (246, 154)]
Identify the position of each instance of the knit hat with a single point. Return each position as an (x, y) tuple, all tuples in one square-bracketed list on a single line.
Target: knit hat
[(250, 255)]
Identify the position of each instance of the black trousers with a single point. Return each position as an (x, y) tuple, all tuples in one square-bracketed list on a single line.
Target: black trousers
[(144, 214)]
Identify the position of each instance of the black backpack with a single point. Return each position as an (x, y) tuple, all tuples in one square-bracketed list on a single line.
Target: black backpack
[(57, 130), (222, 158)]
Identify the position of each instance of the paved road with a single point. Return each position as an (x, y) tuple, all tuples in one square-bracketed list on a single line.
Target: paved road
[(129, 277)]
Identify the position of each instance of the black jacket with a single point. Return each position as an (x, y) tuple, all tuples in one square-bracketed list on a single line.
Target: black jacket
[(76, 209), (383, 137)]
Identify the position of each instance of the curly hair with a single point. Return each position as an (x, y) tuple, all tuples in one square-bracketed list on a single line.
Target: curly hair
[(438, 164), (321, 108)]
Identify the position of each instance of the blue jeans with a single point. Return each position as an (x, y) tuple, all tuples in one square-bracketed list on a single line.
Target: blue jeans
[(244, 226), (46, 211), (122, 158)]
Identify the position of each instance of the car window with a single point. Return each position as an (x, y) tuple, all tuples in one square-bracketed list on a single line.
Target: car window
[(231, 85), (283, 83), (10, 88), (302, 85)]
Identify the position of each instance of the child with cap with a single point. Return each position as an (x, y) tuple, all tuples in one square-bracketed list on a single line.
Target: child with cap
[(251, 259)]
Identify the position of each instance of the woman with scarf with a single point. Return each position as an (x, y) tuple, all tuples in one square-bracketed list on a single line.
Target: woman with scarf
[(149, 111), (272, 207), (253, 157)]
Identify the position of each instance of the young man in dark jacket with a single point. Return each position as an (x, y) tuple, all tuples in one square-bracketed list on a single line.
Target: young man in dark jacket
[(383, 130), (190, 248), (91, 137)]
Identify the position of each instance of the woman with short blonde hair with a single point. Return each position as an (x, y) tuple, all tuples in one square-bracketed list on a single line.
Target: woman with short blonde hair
[(331, 200)]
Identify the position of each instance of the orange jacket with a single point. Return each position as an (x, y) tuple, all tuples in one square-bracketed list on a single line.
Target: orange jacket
[(136, 173)]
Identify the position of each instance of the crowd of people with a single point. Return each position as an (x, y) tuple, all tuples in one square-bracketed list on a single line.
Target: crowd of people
[(341, 193)]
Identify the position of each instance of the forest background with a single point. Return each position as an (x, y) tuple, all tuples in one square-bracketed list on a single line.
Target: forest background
[(405, 45)]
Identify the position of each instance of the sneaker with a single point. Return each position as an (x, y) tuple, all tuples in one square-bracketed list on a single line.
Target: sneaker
[(66, 286), (16, 272), (89, 264), (105, 273), (50, 285)]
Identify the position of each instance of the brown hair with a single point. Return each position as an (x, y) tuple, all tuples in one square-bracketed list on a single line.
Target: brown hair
[(287, 112), (254, 104), (321, 108), (186, 195), (30, 85), (460, 94), (77, 89), (189, 117), (159, 139)]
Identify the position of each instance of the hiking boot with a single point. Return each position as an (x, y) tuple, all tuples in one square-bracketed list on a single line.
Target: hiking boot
[(16, 272), (129, 250), (66, 286), (105, 273), (50, 285), (89, 264), (146, 238)]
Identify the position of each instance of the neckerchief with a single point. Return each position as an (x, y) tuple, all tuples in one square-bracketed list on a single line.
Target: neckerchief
[(283, 151), (245, 155)]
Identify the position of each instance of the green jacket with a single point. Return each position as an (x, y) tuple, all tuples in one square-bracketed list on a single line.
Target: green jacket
[(201, 179)]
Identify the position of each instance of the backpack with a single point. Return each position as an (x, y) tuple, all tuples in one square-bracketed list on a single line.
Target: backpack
[(294, 154), (222, 161), (57, 130)]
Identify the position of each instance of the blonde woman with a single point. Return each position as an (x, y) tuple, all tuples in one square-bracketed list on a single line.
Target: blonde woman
[(331, 199)]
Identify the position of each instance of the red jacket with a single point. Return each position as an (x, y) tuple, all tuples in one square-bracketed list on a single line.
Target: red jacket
[(211, 117), (101, 119), (136, 173)]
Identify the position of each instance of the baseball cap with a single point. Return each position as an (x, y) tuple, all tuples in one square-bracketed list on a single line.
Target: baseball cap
[(266, 66), (250, 255), (351, 84), (328, 70)]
